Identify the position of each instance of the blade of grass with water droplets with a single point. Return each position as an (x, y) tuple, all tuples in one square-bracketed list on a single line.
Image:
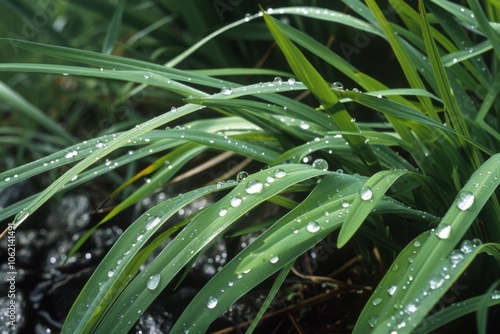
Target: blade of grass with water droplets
[(369, 195), (322, 91), (426, 270), (196, 236), (112, 275), (321, 213)]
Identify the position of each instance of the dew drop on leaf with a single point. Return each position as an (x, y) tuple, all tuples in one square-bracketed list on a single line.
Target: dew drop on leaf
[(443, 231), (274, 259), (392, 289), (456, 256), (212, 302), (235, 201), (337, 85), (312, 227), (320, 164), (291, 81), (241, 176), (253, 187), (279, 173), (152, 221), (111, 273), (153, 282), (376, 301), (465, 199), (466, 246), (372, 320), (222, 212), (277, 81), (365, 193), (226, 90)]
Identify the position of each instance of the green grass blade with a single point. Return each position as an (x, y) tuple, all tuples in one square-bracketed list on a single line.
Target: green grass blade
[(272, 292), (196, 236), (322, 91), (10, 97), (114, 28), (112, 275), (405, 62), (369, 195), (434, 267), (321, 213)]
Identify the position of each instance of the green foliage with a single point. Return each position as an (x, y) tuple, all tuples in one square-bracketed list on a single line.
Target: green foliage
[(425, 152)]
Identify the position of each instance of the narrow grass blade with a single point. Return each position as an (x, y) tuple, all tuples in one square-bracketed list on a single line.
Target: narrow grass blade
[(322, 91), (274, 290), (10, 97), (195, 237), (436, 265), (369, 195), (112, 275), (321, 213), (113, 28)]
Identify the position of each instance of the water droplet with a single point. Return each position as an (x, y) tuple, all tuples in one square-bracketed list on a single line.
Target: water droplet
[(435, 282), (230, 283), (365, 193), (22, 217), (71, 154), (277, 81), (111, 273), (466, 246), (312, 227), (443, 231), (153, 282), (152, 221), (226, 90), (392, 289), (253, 187), (291, 81), (274, 259), (236, 201), (495, 294), (241, 176), (417, 243), (372, 320), (279, 173), (173, 109), (456, 256), (476, 242), (344, 204), (376, 301), (222, 212), (304, 126), (337, 85), (212, 302), (465, 199), (247, 17), (320, 164)]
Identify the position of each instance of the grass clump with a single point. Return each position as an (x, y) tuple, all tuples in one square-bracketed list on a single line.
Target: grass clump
[(412, 187)]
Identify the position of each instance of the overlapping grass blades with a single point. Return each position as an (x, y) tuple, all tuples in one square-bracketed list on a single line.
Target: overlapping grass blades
[(436, 154)]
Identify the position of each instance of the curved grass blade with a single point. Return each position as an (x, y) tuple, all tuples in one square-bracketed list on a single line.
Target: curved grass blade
[(322, 91), (112, 275), (203, 229), (113, 28), (435, 266), (12, 98), (455, 311), (322, 212), (369, 195)]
